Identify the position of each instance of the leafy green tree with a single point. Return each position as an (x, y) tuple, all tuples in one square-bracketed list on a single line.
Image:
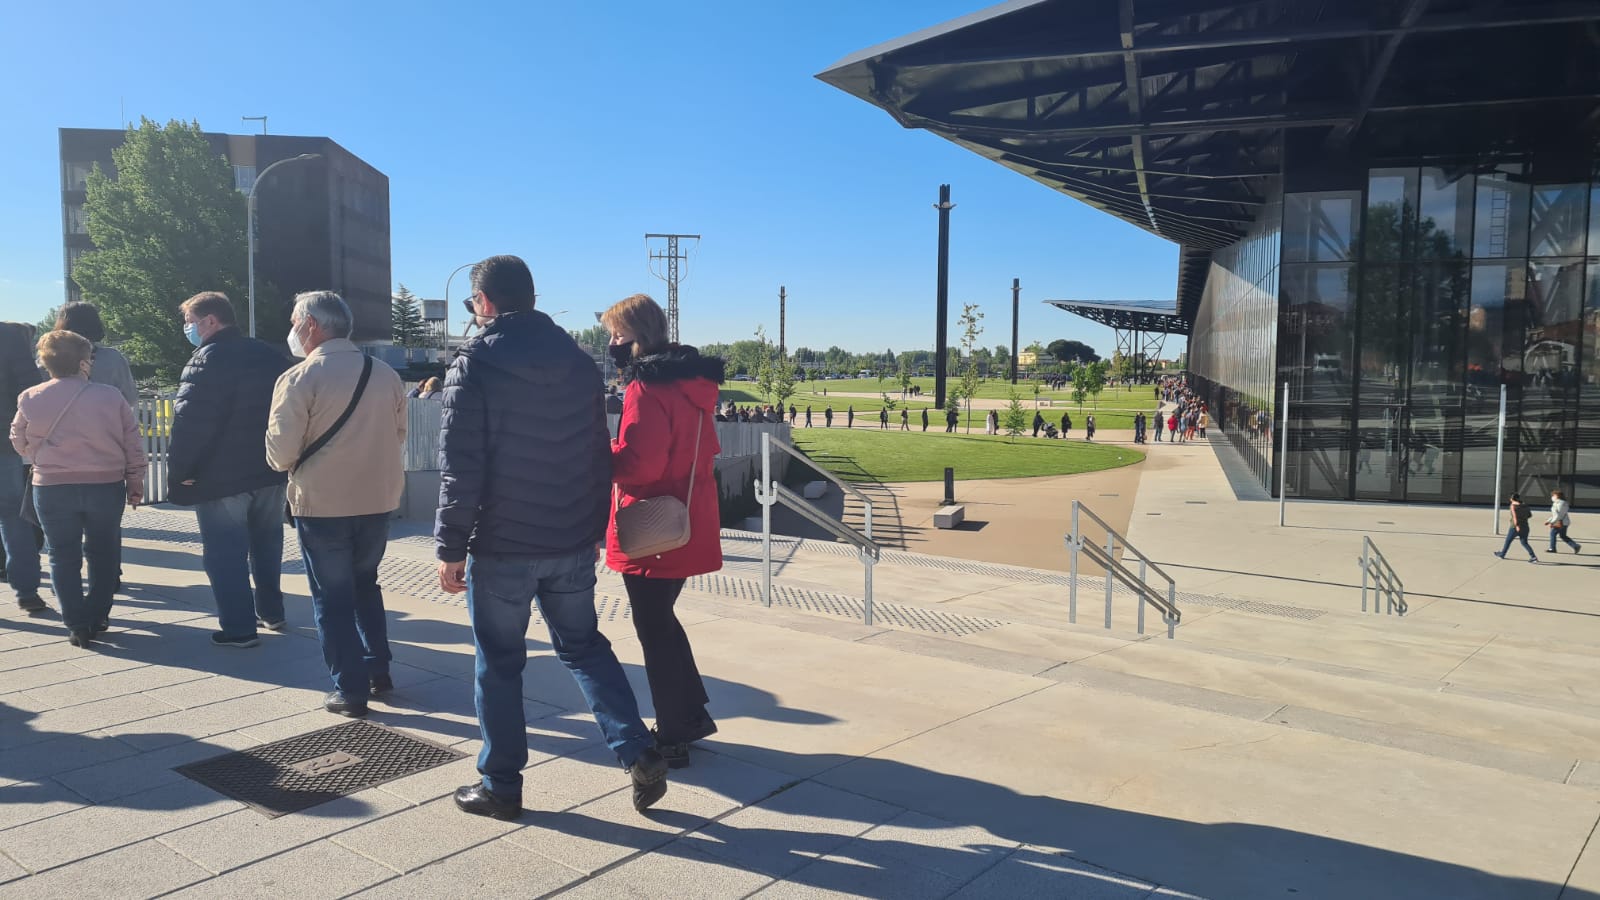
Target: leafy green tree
[(904, 376), (1096, 381), (1016, 419), (1080, 385), (782, 374), (48, 323), (970, 320), (762, 363), (169, 226), (405, 320)]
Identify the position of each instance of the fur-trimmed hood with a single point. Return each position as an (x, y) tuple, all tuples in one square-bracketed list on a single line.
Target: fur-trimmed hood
[(676, 363)]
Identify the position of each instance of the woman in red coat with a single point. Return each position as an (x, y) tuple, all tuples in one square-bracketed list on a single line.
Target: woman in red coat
[(671, 392)]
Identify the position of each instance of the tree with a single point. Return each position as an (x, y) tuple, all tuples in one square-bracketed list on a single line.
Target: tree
[(1002, 360), (1016, 420), (1064, 350), (1096, 381), (763, 363), (1080, 385), (169, 226), (782, 375), (48, 323), (405, 320), (904, 377), (971, 316)]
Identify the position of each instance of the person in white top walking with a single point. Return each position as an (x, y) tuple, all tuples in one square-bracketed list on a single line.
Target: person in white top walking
[(1558, 522)]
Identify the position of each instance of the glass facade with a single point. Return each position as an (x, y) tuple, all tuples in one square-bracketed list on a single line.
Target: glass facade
[(1402, 310)]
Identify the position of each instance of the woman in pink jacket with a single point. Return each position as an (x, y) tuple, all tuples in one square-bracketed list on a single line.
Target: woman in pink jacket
[(87, 459)]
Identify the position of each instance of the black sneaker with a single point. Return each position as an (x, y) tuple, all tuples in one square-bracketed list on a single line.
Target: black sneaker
[(379, 685), (649, 774), (80, 638), (478, 800), (31, 603), (218, 639), (270, 626), (338, 704)]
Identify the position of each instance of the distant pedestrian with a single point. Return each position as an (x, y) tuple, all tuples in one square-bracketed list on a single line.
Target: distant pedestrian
[(215, 463), (1066, 425), (827, 416), (883, 418), (924, 418), (1558, 522), (1158, 429), (337, 427), (1038, 422), (1205, 418), (1172, 428), (808, 416), (791, 414), (88, 460), (950, 419), (994, 421), (905, 420), (1088, 428), (1517, 529)]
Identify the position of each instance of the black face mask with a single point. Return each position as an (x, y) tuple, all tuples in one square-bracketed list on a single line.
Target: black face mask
[(621, 354)]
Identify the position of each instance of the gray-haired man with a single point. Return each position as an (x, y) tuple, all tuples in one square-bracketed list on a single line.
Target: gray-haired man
[(343, 491)]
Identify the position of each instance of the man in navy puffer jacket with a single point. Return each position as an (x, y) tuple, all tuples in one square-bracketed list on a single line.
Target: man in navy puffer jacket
[(525, 487), (217, 463)]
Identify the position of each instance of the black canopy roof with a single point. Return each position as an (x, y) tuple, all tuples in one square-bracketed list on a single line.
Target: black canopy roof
[(1172, 114)]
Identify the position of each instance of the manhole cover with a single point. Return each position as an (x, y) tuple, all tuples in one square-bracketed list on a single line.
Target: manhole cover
[(300, 772)]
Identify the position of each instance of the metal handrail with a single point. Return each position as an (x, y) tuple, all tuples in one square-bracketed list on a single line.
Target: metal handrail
[(810, 463), (770, 492), (1115, 570), (1386, 583)]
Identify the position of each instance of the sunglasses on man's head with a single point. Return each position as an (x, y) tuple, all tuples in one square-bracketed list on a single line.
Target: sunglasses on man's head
[(471, 310)]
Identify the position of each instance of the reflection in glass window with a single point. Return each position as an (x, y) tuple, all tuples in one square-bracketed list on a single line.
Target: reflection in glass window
[(77, 223), (1320, 227), (1495, 286), (244, 178), (75, 176), (1555, 314), (1391, 207), (1558, 220), (1438, 350), (1444, 216), (1317, 331), (1500, 226)]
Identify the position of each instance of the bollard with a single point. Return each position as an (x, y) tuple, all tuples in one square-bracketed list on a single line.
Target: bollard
[(949, 486)]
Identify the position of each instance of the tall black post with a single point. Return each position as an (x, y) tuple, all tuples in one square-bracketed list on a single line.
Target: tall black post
[(1016, 299), (942, 339)]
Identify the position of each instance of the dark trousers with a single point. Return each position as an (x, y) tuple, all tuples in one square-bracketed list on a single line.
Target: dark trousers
[(1517, 534), (342, 554), (676, 689), (1560, 531), (243, 538), (82, 520)]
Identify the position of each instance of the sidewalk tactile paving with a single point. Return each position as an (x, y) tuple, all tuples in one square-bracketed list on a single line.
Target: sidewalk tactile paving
[(300, 772)]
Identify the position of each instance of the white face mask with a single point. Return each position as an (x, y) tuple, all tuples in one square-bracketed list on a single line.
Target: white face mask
[(295, 345)]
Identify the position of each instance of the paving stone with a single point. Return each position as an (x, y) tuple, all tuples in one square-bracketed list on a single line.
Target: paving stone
[(202, 722), (48, 632), (115, 684), (19, 657), (583, 776), (85, 832), (789, 831), (677, 868), (209, 690), (10, 871), (960, 851), (64, 753), (29, 801), (240, 838), (145, 869), (118, 716), (431, 784), (292, 726), (31, 677), (860, 869), (1036, 873), (724, 776), (493, 870), (317, 870), (130, 774), (604, 831), (417, 836), (106, 660)]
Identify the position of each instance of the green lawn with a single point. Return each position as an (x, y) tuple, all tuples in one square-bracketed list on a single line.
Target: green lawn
[(1115, 411), (874, 455)]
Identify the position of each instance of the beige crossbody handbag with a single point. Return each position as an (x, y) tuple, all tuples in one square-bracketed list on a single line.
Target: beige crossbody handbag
[(656, 524)]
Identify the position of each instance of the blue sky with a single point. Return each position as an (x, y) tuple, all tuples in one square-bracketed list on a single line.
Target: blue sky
[(563, 132)]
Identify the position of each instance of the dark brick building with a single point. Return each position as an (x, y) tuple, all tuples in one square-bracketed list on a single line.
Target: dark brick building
[(320, 224)]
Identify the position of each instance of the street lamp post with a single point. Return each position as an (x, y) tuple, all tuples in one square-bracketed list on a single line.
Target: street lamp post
[(250, 226)]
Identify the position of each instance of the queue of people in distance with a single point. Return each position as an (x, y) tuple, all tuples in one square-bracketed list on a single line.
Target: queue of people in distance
[(1187, 418), (533, 490)]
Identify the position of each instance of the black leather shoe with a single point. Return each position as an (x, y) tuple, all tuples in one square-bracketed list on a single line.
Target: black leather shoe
[(339, 704), (378, 685), (31, 603), (479, 801), (80, 638), (649, 774)]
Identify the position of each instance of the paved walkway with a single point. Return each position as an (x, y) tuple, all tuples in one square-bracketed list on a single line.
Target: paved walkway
[(971, 742)]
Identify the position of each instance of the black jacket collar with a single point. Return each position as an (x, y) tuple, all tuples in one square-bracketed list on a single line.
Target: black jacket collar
[(678, 362)]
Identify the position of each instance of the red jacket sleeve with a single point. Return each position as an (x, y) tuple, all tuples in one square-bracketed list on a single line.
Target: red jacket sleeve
[(644, 439)]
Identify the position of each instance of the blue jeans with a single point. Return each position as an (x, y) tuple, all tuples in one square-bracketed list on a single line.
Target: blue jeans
[(1513, 534), (500, 593), (243, 536), (83, 520), (22, 547), (342, 555)]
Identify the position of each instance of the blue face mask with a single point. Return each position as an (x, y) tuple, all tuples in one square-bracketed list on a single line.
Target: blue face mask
[(191, 331)]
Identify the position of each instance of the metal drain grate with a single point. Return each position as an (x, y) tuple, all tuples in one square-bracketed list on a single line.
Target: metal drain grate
[(301, 772)]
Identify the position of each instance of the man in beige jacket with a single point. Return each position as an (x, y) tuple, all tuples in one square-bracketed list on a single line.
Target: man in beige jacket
[(342, 492)]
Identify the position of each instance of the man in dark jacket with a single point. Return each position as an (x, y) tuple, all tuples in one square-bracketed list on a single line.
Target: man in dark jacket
[(950, 419), (924, 418), (17, 374), (1038, 422), (217, 463), (525, 492)]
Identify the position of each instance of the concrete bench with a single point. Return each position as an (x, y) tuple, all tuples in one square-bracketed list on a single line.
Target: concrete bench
[(949, 516)]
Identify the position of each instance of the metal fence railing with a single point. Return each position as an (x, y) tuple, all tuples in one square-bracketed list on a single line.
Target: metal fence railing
[(423, 416), (1389, 592), (1165, 602), (154, 415)]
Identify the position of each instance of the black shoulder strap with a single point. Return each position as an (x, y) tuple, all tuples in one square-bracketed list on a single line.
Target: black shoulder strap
[(361, 387)]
